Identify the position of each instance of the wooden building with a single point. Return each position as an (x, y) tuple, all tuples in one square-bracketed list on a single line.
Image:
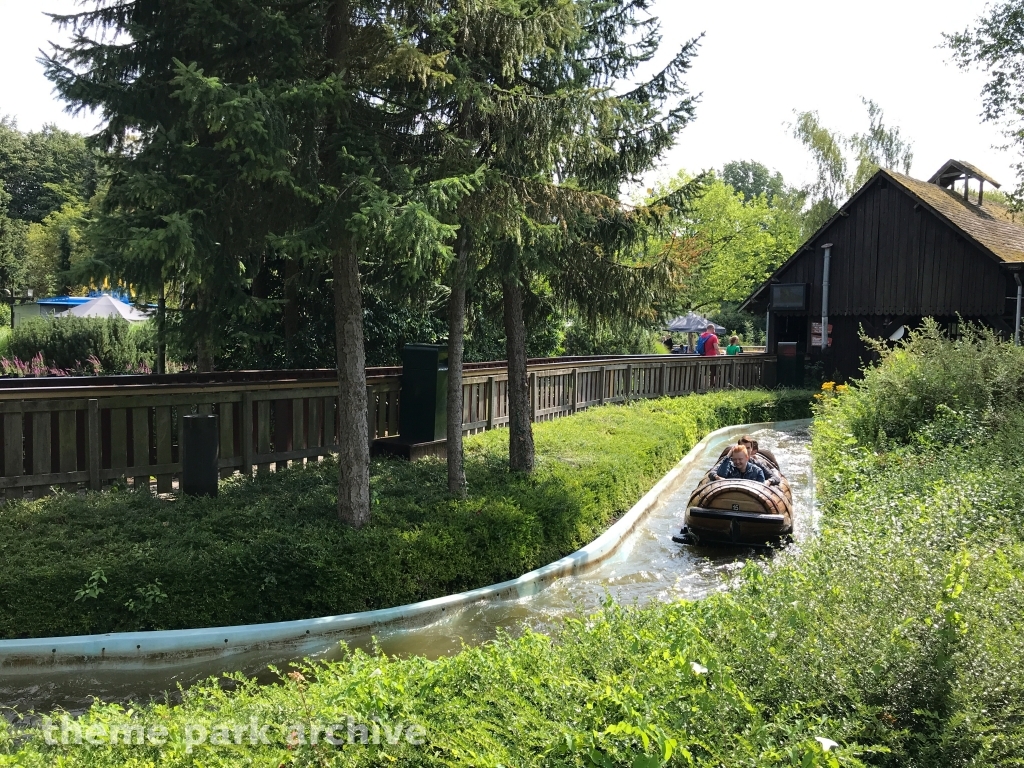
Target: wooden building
[(898, 251)]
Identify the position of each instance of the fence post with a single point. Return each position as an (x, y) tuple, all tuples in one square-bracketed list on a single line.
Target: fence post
[(575, 397), (663, 389), (628, 394), (247, 434), (93, 431), (602, 384), (371, 416), (533, 396), (491, 397)]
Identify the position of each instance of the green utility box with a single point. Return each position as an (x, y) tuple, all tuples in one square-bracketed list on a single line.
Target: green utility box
[(424, 406)]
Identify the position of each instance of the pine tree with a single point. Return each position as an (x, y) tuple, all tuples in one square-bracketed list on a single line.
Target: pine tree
[(531, 110), (578, 236), (220, 153)]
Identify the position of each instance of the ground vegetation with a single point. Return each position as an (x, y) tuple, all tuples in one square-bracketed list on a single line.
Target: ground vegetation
[(891, 638), (291, 558)]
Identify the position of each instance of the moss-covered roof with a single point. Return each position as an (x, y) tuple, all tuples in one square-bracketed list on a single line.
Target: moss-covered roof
[(991, 225)]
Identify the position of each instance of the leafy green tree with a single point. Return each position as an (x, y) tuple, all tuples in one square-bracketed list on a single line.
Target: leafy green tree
[(751, 179), (878, 147), (994, 44), (43, 170), (13, 237), (730, 243), (55, 247), (221, 155), (830, 187), (576, 235), (496, 120), (844, 163)]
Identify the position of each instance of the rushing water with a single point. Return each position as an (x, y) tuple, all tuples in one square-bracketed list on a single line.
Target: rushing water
[(648, 566)]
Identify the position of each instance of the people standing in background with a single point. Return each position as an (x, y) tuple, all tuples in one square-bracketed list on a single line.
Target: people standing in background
[(707, 344), (734, 347)]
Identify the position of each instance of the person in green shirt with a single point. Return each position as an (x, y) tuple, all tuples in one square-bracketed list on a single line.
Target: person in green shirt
[(734, 347)]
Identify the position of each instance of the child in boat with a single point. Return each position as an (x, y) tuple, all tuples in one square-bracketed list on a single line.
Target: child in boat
[(737, 465), (770, 472)]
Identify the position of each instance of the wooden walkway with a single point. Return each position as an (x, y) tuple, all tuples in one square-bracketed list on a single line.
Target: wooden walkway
[(89, 432)]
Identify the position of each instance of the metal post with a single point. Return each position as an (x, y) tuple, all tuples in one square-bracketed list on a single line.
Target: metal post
[(95, 444), (1020, 295), (824, 297)]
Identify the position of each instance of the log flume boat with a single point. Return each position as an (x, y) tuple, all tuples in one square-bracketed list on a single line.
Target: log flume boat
[(738, 512)]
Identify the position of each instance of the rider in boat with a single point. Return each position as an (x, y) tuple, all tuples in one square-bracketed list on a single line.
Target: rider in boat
[(770, 472), (738, 466)]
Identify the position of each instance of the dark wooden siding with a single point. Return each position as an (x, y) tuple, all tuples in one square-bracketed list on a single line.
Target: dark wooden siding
[(890, 259)]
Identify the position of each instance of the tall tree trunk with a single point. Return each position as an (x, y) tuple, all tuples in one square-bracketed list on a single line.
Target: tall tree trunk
[(291, 311), (520, 431), (353, 440), (204, 343), (456, 343), (161, 331)]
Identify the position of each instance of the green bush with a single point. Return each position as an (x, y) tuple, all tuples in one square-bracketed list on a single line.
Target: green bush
[(614, 338), (975, 374), (272, 548), (68, 343)]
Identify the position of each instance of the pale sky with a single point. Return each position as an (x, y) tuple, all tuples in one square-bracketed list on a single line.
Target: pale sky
[(759, 62)]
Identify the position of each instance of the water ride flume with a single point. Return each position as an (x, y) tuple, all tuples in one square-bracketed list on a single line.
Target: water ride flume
[(739, 512)]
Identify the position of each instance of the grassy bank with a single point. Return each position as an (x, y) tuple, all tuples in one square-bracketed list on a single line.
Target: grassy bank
[(893, 639), (271, 549)]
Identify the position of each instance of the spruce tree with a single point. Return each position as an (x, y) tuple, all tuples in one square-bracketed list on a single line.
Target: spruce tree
[(561, 139), (220, 152)]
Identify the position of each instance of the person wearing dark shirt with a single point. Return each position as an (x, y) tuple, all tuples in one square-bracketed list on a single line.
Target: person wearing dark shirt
[(737, 466), (772, 475)]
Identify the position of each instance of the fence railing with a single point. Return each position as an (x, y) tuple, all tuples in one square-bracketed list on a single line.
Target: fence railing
[(74, 433)]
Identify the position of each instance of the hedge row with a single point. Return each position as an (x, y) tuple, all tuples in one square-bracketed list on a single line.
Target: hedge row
[(84, 345)]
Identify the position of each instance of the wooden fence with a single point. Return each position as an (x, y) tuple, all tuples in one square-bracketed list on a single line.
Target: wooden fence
[(76, 433)]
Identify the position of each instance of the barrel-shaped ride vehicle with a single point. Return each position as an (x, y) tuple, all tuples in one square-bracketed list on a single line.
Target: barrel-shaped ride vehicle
[(739, 512)]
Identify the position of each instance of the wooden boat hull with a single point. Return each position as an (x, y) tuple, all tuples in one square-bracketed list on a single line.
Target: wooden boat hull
[(738, 513)]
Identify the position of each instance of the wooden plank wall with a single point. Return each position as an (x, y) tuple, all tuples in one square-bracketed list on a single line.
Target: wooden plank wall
[(74, 439), (891, 256)]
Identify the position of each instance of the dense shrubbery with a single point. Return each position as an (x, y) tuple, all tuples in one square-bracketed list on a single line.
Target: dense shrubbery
[(72, 343), (893, 639), (272, 549), (974, 374)]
